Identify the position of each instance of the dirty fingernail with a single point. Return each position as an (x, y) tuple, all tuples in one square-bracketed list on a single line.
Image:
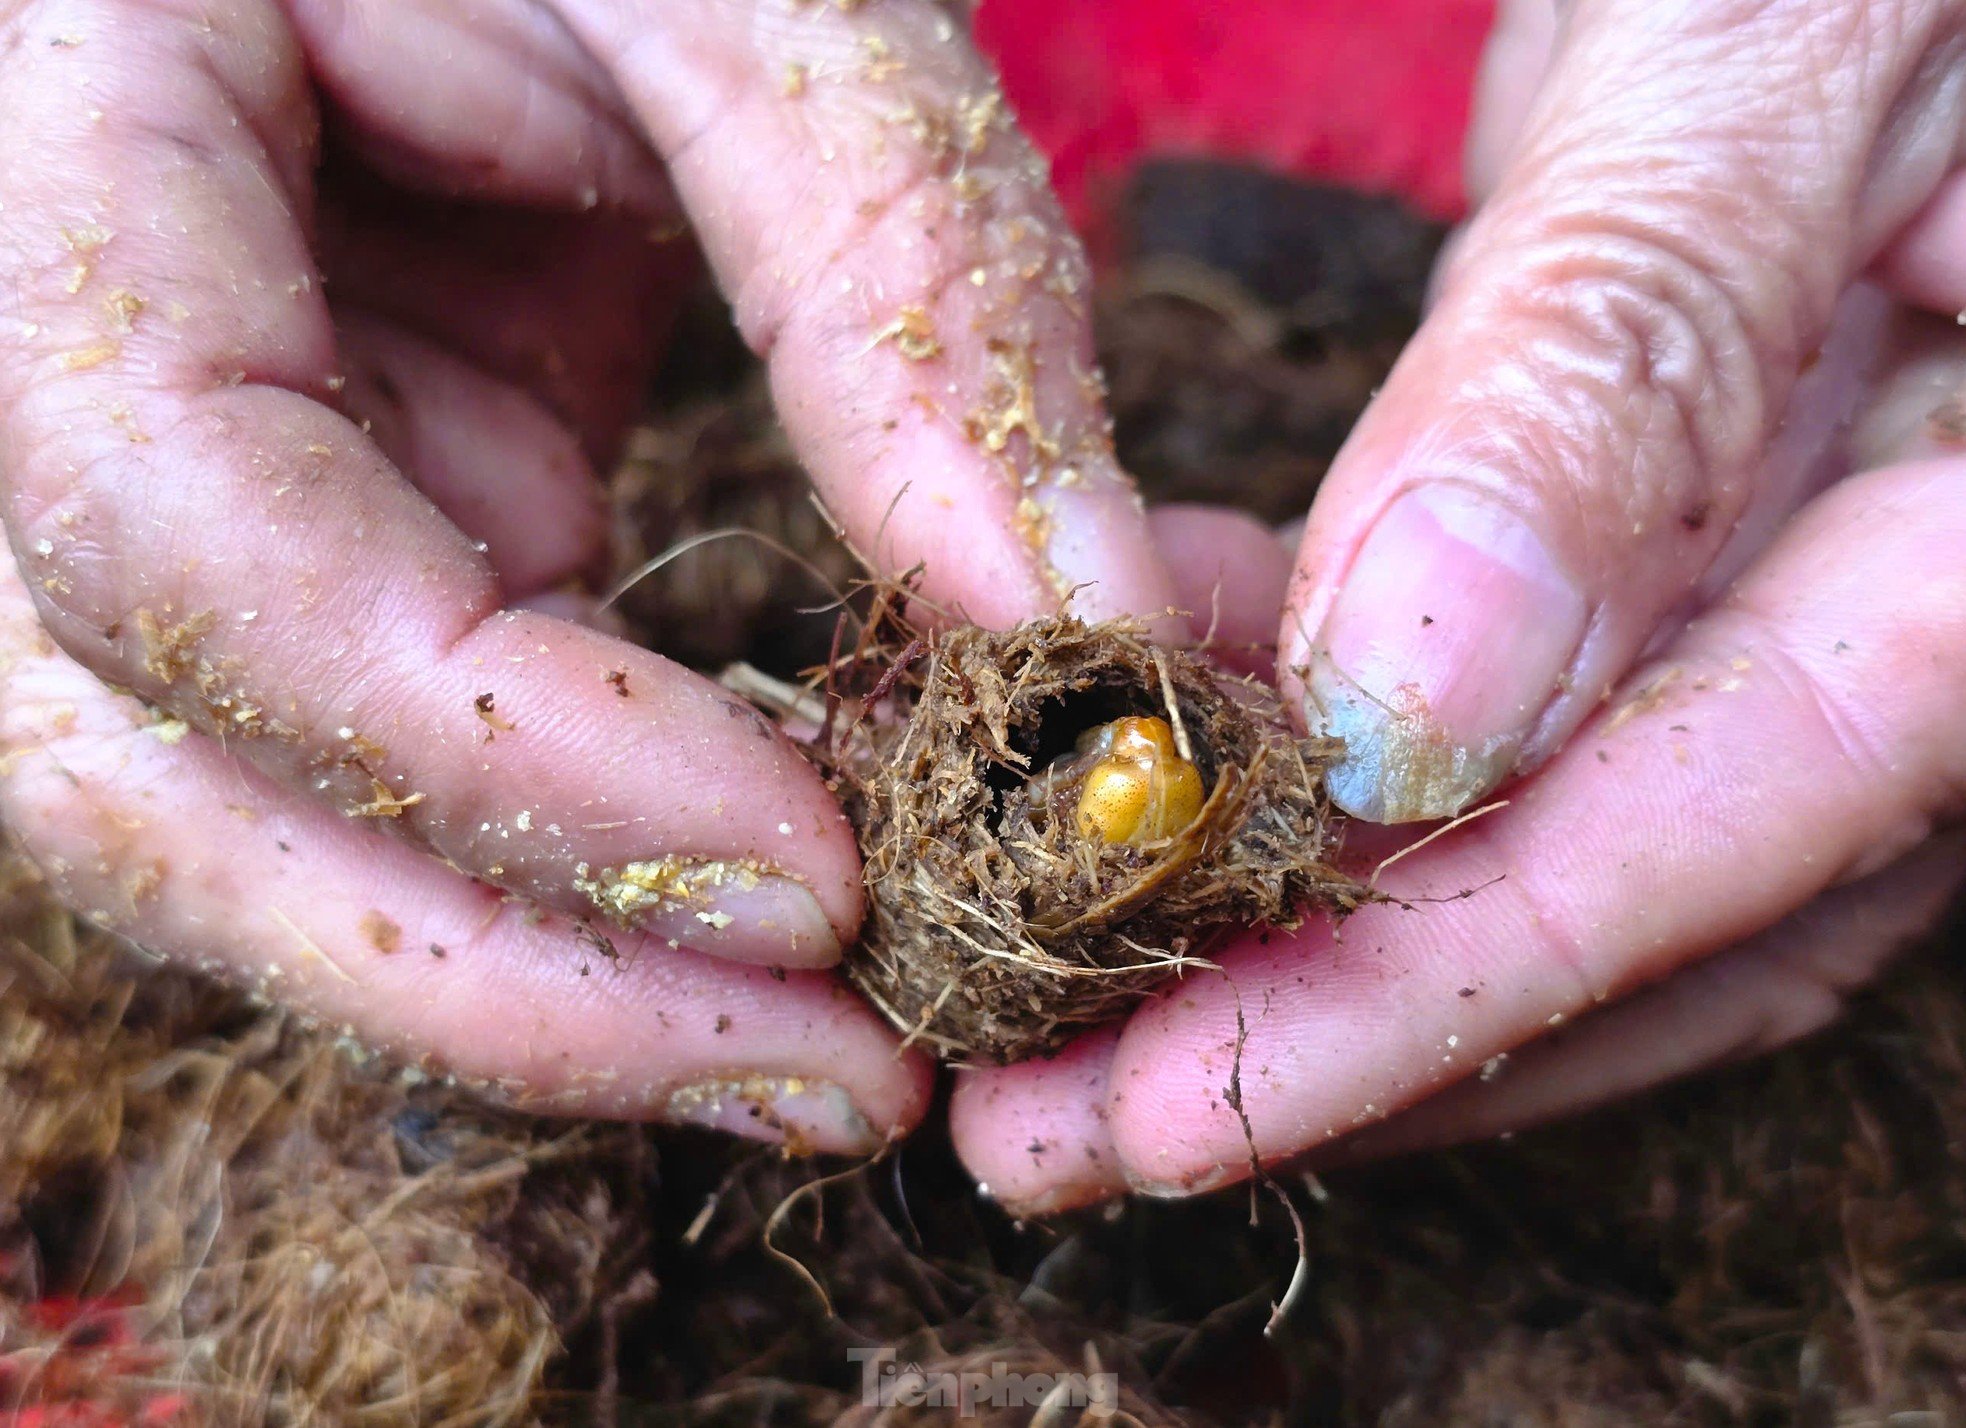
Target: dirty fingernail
[(1200, 1184), (728, 909), (1450, 636), (1087, 530), (1055, 1202), (804, 1116), (1054, 1199)]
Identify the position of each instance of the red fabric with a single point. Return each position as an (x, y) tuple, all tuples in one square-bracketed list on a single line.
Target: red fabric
[(1372, 93)]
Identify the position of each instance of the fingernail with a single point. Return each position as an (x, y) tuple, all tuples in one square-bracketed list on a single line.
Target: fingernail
[(577, 608), (1211, 1179), (804, 1116), (1070, 1193), (1055, 1201), (1084, 524), (1450, 636), (727, 908)]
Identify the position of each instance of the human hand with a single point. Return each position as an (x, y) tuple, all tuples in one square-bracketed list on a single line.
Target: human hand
[(290, 447), (1607, 525)]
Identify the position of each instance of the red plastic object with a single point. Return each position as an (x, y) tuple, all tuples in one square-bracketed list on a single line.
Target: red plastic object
[(85, 1367), (1369, 93)]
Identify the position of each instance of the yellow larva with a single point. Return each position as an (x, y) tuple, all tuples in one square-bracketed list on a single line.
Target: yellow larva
[(1138, 789)]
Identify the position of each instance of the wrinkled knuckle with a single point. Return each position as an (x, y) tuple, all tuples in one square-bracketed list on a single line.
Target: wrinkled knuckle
[(1657, 363), (955, 293)]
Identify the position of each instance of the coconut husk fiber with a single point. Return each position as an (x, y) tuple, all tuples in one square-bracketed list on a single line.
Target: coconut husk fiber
[(1775, 1244), (997, 929), (715, 516), (213, 1214)]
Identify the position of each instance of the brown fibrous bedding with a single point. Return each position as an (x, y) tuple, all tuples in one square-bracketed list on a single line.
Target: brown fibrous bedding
[(214, 1213)]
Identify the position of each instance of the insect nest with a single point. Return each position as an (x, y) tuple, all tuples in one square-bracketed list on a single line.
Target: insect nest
[(1059, 818)]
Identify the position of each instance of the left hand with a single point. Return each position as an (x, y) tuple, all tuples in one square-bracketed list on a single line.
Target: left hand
[(298, 441)]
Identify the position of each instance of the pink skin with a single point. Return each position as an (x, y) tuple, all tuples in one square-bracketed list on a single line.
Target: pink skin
[(1615, 366), (331, 916), (1638, 297), (255, 411), (1628, 419), (1230, 575)]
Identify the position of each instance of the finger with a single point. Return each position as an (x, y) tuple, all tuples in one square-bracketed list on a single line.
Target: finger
[(1034, 1135), (162, 837), (889, 243), (515, 110), (1809, 448), (579, 608), (523, 220), (493, 460), (1230, 573), (921, 297), (1513, 62), (1923, 263), (574, 310), (205, 529), (1567, 447), (1774, 989), (1802, 735), (1916, 408)]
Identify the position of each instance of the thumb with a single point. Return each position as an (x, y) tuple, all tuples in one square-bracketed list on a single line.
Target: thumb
[(1594, 406)]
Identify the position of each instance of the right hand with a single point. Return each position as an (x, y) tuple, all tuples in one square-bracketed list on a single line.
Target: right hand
[(1637, 535)]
